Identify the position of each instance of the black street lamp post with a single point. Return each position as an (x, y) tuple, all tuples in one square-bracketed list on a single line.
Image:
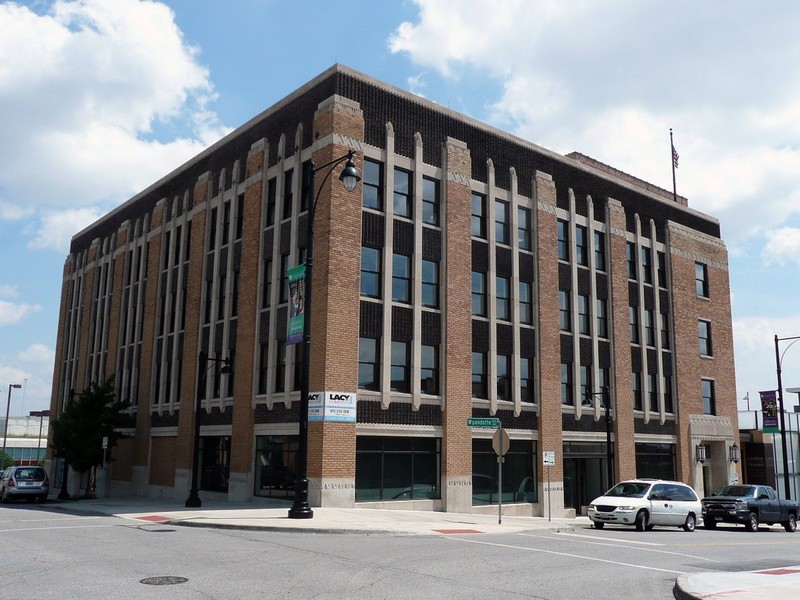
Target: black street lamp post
[(778, 361), (8, 410), (349, 177), (193, 501), (604, 394)]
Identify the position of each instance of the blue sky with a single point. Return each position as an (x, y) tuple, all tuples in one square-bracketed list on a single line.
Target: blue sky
[(100, 98)]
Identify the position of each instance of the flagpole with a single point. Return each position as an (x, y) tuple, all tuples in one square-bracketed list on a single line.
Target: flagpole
[(672, 157)]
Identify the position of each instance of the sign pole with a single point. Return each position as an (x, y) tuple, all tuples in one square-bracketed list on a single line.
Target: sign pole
[(549, 506), (500, 480)]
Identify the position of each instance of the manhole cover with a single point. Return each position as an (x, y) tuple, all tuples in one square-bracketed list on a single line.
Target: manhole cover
[(165, 580)]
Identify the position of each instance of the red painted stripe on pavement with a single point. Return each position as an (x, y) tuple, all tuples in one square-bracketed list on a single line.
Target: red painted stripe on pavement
[(153, 518)]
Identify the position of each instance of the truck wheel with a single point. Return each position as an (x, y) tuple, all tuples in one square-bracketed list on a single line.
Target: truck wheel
[(690, 523), (752, 522), (641, 520), (599, 525), (790, 524), (709, 523)]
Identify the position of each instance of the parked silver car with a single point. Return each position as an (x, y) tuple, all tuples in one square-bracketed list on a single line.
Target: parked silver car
[(645, 503), (30, 482)]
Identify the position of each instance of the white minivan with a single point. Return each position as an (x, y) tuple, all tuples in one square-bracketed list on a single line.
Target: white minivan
[(646, 503)]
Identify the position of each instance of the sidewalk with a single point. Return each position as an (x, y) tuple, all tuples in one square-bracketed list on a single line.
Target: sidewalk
[(781, 583)]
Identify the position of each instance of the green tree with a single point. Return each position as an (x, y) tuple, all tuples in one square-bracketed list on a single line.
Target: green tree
[(5, 460), (78, 432)]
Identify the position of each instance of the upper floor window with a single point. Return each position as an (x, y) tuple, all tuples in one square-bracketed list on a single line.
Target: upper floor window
[(602, 317), (430, 284), (524, 228), (562, 234), (503, 298), (288, 193), (652, 392), (501, 222), (564, 318), (665, 342), (402, 193), (368, 364), (479, 294), (479, 389), (372, 185), (599, 251), (370, 272), (526, 379), (584, 320), (272, 187), (525, 302), (305, 187), (704, 335), (401, 278), (430, 201), (633, 323), (709, 397), (630, 255), (586, 384), (503, 377), (478, 215), (649, 328), (400, 367), (636, 389), (667, 393), (662, 269), (566, 384), (429, 369), (581, 246), (701, 279), (647, 266)]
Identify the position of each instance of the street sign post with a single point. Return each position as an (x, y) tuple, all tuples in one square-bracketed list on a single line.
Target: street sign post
[(549, 460)]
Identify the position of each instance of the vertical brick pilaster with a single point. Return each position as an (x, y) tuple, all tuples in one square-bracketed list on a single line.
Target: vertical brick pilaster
[(338, 127), (87, 293), (549, 348), (115, 312), (624, 442), (457, 441), (247, 330)]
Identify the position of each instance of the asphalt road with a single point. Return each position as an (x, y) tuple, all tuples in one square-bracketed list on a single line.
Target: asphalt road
[(46, 554)]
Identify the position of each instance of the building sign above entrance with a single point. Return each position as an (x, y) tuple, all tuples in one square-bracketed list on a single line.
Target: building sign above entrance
[(339, 407)]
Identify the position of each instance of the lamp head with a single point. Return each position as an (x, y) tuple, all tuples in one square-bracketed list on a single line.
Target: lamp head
[(226, 367), (350, 175), (16, 385)]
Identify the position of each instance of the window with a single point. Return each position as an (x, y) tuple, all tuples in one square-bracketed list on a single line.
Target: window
[(503, 377), (647, 266), (272, 186), (370, 272), (402, 193), (636, 388), (564, 320), (401, 278), (479, 389), (372, 185), (586, 385), (665, 342), (430, 201), (526, 380), (226, 223), (503, 298), (704, 335), (599, 251), (649, 328), (305, 188), (566, 384), (633, 323), (584, 320), (266, 284), (284, 291), (562, 233), (525, 303), (288, 193), (280, 368), (602, 317), (652, 392), (668, 394), (397, 468), (429, 370), (701, 279), (430, 284), (368, 373), (709, 400), (501, 222), (630, 253), (603, 385), (479, 294), (662, 269), (400, 367), (478, 215), (581, 246), (524, 228)]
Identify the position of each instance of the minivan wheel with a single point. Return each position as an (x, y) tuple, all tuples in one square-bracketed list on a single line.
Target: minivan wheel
[(752, 522), (599, 525), (690, 523), (790, 524), (641, 520)]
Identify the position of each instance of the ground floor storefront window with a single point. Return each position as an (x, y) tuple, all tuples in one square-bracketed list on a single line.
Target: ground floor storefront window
[(215, 462), (397, 468), (276, 457), (656, 461), (519, 475), (585, 474)]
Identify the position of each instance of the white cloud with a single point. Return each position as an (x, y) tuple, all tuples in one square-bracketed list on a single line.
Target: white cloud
[(782, 246), (56, 228), (11, 313), (84, 88), (610, 79), (40, 354), (8, 291)]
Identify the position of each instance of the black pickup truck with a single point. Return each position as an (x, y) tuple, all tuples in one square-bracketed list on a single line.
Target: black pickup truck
[(749, 505)]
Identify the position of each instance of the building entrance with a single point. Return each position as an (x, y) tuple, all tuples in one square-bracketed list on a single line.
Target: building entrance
[(584, 474)]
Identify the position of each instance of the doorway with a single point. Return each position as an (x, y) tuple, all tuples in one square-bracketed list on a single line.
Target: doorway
[(584, 474)]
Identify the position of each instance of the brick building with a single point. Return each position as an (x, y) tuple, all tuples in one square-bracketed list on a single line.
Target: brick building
[(470, 274)]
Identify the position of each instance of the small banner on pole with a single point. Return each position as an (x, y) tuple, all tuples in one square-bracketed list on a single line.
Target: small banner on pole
[(297, 293), (769, 410)]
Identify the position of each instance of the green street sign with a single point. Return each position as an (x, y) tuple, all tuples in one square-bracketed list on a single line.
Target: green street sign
[(492, 423)]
